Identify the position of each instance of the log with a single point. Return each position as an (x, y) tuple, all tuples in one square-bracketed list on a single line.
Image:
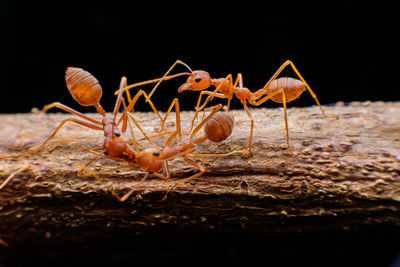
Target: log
[(346, 177)]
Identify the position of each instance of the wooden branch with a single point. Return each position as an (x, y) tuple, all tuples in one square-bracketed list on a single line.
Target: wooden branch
[(346, 176)]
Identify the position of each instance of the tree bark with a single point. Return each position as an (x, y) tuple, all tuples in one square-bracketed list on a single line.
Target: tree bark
[(346, 176)]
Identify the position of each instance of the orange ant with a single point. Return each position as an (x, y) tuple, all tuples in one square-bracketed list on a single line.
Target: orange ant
[(86, 90), (199, 81), (217, 127), (281, 90)]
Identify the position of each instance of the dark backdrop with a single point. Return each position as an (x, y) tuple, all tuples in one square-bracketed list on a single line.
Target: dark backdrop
[(345, 51)]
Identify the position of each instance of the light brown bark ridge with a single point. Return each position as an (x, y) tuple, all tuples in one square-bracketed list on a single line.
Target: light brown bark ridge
[(346, 176)]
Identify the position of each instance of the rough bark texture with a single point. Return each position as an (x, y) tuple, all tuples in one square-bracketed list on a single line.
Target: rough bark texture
[(346, 176)]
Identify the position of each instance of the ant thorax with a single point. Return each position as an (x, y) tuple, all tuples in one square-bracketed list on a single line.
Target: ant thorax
[(115, 143)]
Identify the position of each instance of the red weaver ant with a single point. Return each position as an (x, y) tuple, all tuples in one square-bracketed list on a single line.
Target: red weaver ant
[(281, 90)]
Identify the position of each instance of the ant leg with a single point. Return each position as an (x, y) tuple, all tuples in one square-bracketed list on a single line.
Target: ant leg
[(90, 162), (4, 243), (43, 145), (95, 174), (37, 149), (130, 127), (6, 181), (191, 162), (127, 195), (125, 115), (259, 93), (161, 176), (83, 123), (210, 97), (133, 102), (157, 135), (123, 198), (213, 94), (281, 68), (158, 80), (280, 91), (167, 173), (251, 127), (239, 79), (141, 130), (309, 89), (175, 103), (219, 95), (201, 124), (172, 137), (200, 155), (123, 84), (70, 110)]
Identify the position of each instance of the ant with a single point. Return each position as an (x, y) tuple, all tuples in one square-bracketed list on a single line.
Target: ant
[(217, 127), (281, 90), (86, 90)]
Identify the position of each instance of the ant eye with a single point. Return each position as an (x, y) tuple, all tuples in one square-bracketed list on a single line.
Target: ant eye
[(197, 79), (156, 153), (117, 133)]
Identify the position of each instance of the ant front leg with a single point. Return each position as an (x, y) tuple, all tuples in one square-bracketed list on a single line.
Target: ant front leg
[(215, 93), (218, 89)]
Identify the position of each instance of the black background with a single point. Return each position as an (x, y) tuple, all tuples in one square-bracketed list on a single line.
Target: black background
[(346, 52)]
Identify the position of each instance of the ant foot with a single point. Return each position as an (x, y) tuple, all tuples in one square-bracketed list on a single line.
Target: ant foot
[(249, 164), (334, 116), (158, 129)]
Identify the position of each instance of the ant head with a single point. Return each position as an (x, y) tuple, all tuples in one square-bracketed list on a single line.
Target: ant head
[(198, 80)]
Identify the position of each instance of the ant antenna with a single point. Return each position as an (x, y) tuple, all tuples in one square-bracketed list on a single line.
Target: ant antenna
[(158, 80)]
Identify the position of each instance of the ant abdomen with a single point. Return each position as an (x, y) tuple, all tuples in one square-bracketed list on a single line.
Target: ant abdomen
[(219, 127), (293, 88), (83, 86)]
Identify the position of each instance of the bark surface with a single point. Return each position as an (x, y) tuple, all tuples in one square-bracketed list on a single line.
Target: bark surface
[(346, 176)]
